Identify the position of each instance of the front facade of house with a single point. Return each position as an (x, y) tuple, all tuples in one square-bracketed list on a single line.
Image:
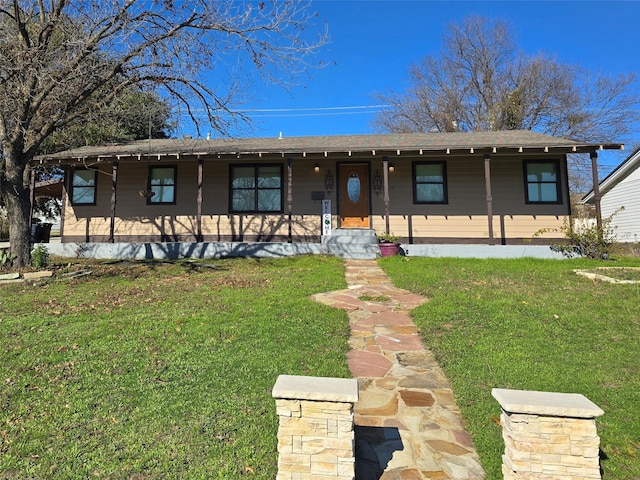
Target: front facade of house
[(474, 188)]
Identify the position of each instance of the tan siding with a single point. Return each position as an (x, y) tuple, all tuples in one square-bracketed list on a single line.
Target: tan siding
[(476, 226), (161, 225), (86, 226), (215, 196), (464, 216), (526, 226), (450, 226)]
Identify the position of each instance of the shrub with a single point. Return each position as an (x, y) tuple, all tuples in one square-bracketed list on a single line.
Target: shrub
[(586, 240), (5, 258), (40, 257), (387, 238)]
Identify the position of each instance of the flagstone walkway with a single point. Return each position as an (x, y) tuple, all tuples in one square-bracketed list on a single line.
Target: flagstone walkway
[(408, 426)]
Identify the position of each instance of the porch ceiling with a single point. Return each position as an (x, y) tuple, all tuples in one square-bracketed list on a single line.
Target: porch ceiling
[(381, 144)]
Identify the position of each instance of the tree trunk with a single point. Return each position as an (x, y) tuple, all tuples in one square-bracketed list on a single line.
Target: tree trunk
[(18, 203)]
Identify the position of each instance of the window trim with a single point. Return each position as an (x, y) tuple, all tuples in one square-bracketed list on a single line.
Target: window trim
[(558, 182), (150, 200), (256, 166), (444, 183), (73, 187)]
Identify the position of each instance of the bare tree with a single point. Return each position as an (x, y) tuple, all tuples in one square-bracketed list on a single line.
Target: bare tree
[(480, 81), (60, 59)]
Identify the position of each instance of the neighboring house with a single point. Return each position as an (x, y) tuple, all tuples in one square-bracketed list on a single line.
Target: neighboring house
[(621, 188), (46, 192), (433, 188)]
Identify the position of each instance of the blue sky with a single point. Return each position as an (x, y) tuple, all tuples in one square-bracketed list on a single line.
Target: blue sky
[(373, 42)]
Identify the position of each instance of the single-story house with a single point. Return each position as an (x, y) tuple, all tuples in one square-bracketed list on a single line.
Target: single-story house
[(427, 188), (621, 188)]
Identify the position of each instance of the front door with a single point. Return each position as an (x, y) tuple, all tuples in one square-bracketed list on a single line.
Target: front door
[(353, 191)]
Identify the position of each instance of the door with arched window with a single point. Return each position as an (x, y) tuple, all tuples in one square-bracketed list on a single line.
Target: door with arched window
[(353, 195)]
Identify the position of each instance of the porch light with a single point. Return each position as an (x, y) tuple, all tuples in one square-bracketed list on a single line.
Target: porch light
[(328, 181), (392, 168), (377, 182), (316, 167)]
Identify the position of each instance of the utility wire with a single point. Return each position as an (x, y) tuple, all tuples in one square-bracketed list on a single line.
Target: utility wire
[(305, 112)]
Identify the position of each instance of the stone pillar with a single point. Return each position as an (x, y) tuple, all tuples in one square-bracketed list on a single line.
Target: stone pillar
[(316, 434), (548, 435)]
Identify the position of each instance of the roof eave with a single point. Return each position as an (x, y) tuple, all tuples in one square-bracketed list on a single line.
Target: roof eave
[(383, 151)]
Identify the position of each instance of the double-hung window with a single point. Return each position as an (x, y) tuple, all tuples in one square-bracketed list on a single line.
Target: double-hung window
[(256, 188), (430, 182), (83, 187), (542, 181), (162, 184)]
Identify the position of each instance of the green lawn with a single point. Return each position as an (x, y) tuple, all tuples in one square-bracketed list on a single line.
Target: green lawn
[(533, 325), (159, 370)]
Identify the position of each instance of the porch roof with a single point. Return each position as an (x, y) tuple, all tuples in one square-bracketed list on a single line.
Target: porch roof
[(377, 144)]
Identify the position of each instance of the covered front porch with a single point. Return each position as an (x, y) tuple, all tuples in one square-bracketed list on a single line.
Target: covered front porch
[(483, 188)]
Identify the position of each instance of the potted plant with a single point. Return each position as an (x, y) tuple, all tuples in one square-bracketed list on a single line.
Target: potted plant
[(388, 244)]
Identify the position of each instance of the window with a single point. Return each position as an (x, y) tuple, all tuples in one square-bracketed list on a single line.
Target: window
[(83, 187), (256, 188), (542, 181), (430, 182), (162, 183)]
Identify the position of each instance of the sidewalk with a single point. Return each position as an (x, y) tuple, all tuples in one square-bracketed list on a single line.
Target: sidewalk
[(408, 426), (6, 244)]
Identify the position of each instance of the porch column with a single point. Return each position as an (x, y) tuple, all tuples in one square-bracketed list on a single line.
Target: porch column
[(385, 187), (65, 198), (487, 179), (32, 195), (290, 196), (596, 190), (199, 237), (114, 184)]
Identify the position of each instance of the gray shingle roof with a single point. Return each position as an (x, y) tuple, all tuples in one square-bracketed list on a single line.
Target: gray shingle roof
[(395, 142)]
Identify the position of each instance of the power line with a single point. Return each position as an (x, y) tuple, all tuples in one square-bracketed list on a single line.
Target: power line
[(301, 112), (313, 109), (325, 114)]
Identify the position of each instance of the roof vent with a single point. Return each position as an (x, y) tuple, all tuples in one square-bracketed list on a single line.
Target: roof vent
[(187, 137), (280, 137)]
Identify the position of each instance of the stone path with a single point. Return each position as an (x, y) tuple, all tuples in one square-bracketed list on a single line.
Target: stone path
[(408, 426)]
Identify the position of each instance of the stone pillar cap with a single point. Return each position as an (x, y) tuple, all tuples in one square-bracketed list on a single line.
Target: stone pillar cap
[(316, 388), (546, 403)]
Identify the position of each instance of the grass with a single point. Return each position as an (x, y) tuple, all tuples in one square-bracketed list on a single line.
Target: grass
[(532, 325), (374, 298), (160, 370)]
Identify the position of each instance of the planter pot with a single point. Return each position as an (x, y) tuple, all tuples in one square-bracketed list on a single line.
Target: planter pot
[(389, 249)]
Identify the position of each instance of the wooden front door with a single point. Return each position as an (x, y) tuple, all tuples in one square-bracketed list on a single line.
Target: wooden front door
[(353, 195)]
